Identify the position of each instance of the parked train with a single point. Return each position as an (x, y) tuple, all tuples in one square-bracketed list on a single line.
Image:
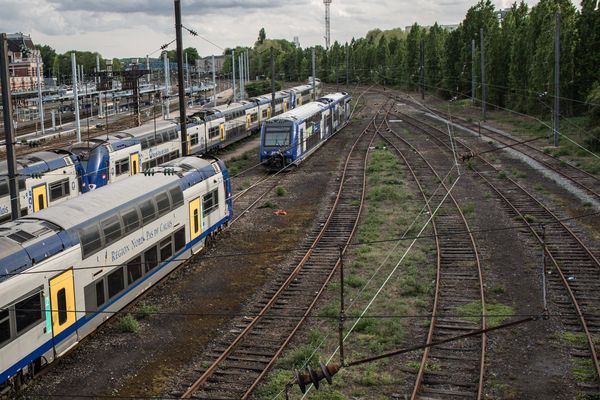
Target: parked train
[(292, 136), (105, 160), (70, 267)]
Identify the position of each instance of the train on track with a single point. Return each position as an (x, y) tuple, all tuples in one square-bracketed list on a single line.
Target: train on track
[(292, 136), (86, 166), (68, 268)]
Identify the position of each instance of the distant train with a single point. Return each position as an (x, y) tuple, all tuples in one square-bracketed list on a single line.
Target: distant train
[(101, 161), (292, 136), (70, 267)]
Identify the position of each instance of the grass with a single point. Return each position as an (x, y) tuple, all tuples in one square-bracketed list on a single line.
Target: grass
[(496, 313), (237, 164), (280, 191), (390, 208), (128, 324), (268, 204), (146, 310)]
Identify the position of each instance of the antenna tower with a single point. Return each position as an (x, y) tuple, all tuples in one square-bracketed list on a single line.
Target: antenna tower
[(327, 23)]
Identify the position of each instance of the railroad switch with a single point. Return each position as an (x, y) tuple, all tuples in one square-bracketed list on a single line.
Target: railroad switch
[(315, 376)]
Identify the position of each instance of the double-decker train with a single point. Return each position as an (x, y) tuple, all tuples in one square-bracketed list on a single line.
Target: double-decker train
[(67, 268), (105, 160), (292, 136)]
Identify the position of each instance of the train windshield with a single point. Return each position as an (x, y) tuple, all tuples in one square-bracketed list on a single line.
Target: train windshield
[(277, 135)]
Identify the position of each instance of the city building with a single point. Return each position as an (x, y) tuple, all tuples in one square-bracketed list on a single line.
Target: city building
[(23, 60), (204, 64)]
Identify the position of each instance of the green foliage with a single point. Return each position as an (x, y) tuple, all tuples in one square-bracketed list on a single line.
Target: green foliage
[(280, 191), (261, 87), (495, 313), (128, 324), (146, 310)]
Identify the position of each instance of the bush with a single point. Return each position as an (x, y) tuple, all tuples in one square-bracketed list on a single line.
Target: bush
[(280, 191), (128, 324)]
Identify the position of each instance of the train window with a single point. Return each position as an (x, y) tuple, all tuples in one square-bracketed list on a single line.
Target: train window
[(148, 211), (210, 202), (28, 312), (196, 221), (165, 249), (213, 132), (59, 189), (122, 166), (150, 258), (134, 270), (115, 282), (100, 298), (90, 240), (4, 326), (151, 141), (176, 196), (131, 220), (61, 298), (144, 142), (162, 203), (4, 187), (179, 239), (173, 135), (5, 218), (165, 137), (264, 113), (111, 227), (194, 139), (174, 155)]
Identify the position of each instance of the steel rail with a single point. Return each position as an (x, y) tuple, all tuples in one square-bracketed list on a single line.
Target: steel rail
[(432, 326), (568, 287), (250, 326)]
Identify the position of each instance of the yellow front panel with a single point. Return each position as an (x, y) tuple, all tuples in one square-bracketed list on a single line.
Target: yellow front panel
[(62, 301), (248, 121), (195, 218), (40, 197), (299, 100), (285, 106), (134, 162), (222, 131)]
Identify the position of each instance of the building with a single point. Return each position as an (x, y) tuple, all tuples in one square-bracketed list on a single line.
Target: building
[(23, 60), (204, 64)]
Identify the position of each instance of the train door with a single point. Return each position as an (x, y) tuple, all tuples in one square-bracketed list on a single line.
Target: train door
[(62, 304), (285, 105), (299, 101), (195, 207), (248, 121), (134, 161), (40, 197), (222, 131), (269, 112), (330, 123)]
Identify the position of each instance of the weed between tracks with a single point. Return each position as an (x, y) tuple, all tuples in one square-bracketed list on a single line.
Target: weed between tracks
[(390, 208)]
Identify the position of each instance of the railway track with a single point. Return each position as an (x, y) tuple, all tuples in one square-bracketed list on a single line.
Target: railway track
[(245, 355), (456, 369), (584, 181), (576, 283)]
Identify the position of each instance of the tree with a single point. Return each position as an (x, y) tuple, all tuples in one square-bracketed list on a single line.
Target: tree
[(434, 57), (192, 54), (262, 35), (586, 51), (48, 55)]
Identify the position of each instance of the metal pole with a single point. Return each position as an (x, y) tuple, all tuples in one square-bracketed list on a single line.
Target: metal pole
[(241, 71), (167, 88), (233, 72), (313, 73), (422, 56), (53, 113), (347, 65), (75, 96), (337, 68), (248, 66), (11, 158), (187, 72), (483, 89), (100, 112), (272, 83), (180, 83), (557, 80), (473, 70), (214, 80), (148, 68), (40, 98), (342, 316)]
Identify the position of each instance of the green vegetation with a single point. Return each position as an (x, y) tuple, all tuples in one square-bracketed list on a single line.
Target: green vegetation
[(146, 310), (495, 313), (280, 191), (128, 324), (237, 164), (267, 204)]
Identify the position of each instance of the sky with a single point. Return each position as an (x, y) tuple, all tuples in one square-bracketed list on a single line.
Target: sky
[(134, 28)]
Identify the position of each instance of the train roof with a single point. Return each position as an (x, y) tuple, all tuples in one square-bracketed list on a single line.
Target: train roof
[(149, 127), (333, 97), (300, 113), (41, 161), (32, 239)]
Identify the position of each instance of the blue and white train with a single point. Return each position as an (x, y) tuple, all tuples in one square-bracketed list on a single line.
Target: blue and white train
[(292, 136), (67, 269), (104, 160)]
